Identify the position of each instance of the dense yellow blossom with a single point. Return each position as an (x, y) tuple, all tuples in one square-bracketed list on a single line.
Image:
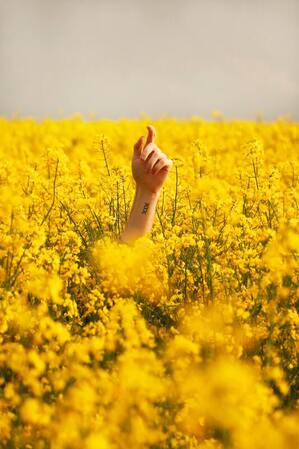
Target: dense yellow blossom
[(186, 339)]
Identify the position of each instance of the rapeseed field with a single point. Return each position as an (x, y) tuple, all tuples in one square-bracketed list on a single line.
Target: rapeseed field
[(186, 339)]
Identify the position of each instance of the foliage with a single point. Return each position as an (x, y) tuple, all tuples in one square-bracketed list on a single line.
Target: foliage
[(186, 339)]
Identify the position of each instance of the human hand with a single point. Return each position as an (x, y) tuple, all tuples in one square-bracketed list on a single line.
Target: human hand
[(150, 166)]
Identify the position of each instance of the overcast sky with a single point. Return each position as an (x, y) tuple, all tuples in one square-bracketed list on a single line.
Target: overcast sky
[(121, 58)]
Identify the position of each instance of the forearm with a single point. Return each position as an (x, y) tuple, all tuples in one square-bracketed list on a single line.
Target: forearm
[(141, 216)]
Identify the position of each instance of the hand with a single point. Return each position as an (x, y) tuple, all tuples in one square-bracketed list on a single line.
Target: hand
[(150, 166)]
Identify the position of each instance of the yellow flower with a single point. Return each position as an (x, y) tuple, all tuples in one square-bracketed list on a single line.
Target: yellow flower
[(188, 338), (96, 441), (34, 412)]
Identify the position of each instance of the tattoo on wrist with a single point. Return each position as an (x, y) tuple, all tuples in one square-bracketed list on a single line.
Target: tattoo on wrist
[(145, 208)]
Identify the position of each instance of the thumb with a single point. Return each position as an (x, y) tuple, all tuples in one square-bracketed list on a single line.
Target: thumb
[(151, 134), (138, 147)]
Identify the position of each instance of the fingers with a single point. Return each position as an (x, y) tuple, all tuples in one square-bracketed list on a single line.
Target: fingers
[(139, 145), (151, 134), (164, 164), (148, 150), (150, 162), (156, 162)]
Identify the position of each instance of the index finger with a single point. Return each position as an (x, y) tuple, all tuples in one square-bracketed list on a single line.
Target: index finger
[(151, 135)]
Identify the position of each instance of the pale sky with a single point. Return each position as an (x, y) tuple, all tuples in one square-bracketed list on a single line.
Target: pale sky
[(121, 58)]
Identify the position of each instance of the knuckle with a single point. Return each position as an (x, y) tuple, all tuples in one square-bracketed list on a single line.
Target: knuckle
[(151, 150), (148, 149), (168, 165), (144, 155)]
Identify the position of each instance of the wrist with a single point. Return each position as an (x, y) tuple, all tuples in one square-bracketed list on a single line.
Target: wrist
[(147, 193)]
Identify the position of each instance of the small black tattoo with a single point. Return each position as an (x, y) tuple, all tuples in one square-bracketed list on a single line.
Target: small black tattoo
[(145, 207)]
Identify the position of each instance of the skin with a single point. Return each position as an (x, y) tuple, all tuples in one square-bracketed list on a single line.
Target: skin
[(150, 168)]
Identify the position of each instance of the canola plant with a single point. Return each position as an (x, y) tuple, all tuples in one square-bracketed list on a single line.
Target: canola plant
[(186, 339)]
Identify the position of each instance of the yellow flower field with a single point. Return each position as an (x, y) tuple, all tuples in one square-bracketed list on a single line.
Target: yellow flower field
[(186, 339)]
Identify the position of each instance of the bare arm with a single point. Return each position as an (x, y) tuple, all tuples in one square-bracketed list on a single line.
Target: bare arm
[(150, 167), (142, 215)]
